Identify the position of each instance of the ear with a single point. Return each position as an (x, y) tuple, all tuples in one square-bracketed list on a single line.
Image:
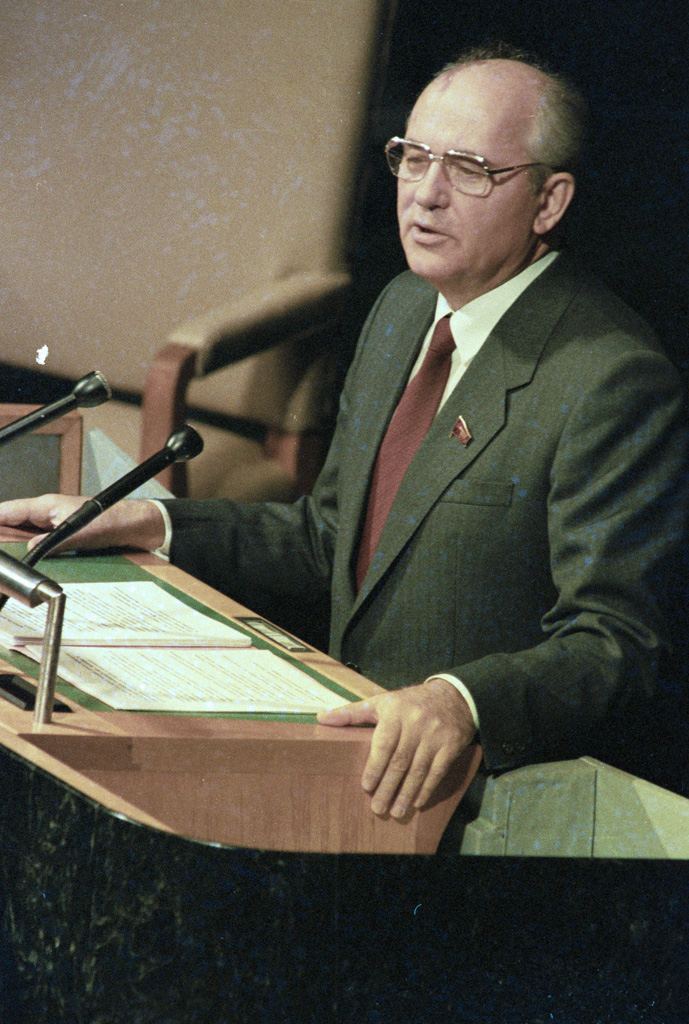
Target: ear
[(553, 199)]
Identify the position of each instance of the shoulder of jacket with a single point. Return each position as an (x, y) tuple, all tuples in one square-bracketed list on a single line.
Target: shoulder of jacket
[(591, 298)]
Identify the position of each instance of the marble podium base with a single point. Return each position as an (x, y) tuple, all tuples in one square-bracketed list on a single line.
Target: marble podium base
[(106, 921)]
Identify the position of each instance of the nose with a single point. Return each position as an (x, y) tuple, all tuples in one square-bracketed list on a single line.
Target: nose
[(434, 189)]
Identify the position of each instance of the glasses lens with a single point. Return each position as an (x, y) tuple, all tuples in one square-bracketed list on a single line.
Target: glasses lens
[(407, 161), (466, 175)]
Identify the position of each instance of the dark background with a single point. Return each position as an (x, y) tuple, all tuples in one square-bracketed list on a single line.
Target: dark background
[(629, 218)]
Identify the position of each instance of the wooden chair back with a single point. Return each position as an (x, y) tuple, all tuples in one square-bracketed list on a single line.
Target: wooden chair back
[(48, 460)]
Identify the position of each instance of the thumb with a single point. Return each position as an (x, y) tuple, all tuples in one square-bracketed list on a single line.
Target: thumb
[(360, 713)]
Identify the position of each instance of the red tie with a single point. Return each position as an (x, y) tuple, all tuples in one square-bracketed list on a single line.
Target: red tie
[(408, 427)]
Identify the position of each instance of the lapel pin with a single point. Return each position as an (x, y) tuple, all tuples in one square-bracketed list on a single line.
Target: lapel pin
[(461, 432)]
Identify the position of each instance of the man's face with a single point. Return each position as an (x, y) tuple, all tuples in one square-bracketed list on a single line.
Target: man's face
[(466, 245)]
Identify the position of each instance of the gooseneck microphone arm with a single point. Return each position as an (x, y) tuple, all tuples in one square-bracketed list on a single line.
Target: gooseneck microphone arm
[(90, 391), (182, 445)]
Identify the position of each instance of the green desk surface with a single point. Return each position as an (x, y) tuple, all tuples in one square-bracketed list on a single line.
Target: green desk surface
[(115, 568)]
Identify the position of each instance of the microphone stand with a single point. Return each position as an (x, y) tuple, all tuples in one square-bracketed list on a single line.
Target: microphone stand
[(31, 588)]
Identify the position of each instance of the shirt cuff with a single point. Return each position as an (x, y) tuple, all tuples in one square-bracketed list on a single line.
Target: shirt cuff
[(459, 685), (164, 549)]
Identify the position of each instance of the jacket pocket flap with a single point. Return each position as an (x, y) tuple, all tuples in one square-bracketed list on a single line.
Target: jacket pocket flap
[(479, 492)]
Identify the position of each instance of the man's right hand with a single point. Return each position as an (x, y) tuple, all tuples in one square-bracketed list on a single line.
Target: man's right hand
[(129, 523)]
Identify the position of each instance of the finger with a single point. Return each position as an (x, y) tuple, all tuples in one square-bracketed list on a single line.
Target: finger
[(434, 776), (414, 782), (421, 780), (386, 766), (42, 513), (359, 713), (17, 512), (428, 767)]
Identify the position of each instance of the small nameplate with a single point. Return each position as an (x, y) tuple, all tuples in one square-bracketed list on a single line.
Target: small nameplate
[(271, 632)]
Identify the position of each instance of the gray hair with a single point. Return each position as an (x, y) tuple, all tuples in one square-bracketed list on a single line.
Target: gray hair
[(557, 139)]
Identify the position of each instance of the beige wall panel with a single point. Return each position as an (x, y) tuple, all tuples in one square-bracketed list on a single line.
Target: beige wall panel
[(160, 157)]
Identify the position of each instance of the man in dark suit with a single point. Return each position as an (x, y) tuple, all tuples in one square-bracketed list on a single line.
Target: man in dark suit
[(513, 585)]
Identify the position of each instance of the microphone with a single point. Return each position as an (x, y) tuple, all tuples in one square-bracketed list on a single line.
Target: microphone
[(91, 390), (180, 446)]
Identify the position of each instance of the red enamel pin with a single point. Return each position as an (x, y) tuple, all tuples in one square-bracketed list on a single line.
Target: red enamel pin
[(461, 432)]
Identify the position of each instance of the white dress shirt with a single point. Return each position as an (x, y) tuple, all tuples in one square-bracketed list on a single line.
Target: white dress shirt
[(472, 324)]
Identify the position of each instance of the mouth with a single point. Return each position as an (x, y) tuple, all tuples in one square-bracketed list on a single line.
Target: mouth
[(425, 233)]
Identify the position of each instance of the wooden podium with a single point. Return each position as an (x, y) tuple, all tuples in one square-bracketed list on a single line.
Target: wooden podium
[(274, 785)]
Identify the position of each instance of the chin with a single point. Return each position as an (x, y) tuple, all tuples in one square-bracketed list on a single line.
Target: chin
[(424, 265)]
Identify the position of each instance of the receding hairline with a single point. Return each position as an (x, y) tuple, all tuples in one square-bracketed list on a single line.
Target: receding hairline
[(539, 75), (507, 53), (537, 83), (531, 76), (560, 110)]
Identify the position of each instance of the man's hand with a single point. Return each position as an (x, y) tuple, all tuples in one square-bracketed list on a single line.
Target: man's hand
[(130, 523), (420, 730)]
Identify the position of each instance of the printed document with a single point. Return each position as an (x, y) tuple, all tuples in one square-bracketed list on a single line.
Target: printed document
[(192, 680), (110, 614)]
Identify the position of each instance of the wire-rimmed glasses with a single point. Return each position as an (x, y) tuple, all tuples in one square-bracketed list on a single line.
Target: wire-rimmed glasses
[(465, 172)]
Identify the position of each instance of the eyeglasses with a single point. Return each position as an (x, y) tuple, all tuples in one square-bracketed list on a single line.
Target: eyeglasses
[(465, 172)]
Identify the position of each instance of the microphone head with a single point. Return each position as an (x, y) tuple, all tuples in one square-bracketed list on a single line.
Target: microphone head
[(184, 444), (92, 390)]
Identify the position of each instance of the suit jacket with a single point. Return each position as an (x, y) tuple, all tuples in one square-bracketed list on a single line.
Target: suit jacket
[(533, 562)]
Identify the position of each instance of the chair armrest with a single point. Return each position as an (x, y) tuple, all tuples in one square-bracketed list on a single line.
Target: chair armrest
[(299, 304), (164, 408)]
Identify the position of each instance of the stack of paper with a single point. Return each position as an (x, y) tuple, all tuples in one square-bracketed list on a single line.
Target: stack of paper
[(127, 614), (135, 647)]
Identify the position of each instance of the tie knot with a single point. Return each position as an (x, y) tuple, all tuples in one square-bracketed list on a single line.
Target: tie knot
[(442, 342)]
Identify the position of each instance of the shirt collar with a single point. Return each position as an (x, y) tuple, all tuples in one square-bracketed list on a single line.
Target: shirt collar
[(472, 324)]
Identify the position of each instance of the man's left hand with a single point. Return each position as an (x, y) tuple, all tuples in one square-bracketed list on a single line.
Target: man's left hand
[(420, 730)]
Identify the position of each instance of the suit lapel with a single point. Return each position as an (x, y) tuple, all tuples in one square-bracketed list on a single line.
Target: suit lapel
[(395, 347), (480, 399), (506, 361)]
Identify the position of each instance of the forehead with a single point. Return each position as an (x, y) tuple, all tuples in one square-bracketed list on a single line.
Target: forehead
[(487, 108)]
